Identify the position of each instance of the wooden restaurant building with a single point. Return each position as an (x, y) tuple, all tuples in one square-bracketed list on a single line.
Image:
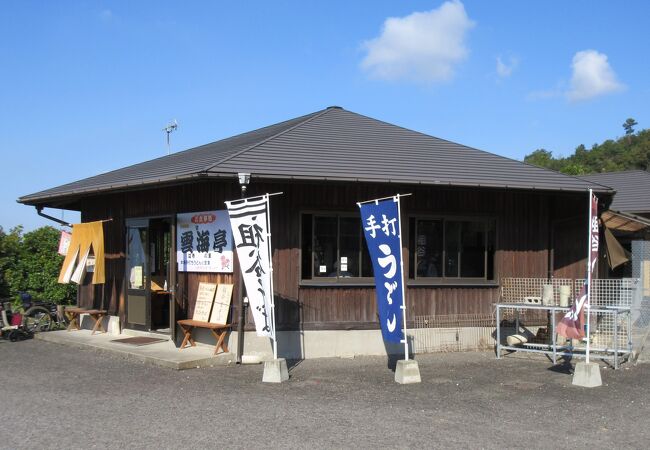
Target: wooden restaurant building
[(473, 219)]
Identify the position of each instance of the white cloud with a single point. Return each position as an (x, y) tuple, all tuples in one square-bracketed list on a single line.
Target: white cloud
[(423, 46), (505, 69), (592, 76)]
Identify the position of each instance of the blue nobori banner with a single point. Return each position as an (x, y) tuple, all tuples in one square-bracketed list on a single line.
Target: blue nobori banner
[(381, 225)]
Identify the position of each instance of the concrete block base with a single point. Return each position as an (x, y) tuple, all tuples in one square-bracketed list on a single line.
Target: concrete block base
[(251, 359), (275, 371), (407, 372), (587, 375)]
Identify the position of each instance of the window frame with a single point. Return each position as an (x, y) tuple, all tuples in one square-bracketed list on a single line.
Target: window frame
[(337, 280), (458, 280)]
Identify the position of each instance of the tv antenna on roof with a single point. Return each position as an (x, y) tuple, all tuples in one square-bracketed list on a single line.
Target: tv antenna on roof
[(171, 126)]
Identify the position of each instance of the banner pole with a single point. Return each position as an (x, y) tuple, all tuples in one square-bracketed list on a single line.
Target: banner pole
[(380, 199), (401, 262), (268, 243), (244, 200), (589, 278)]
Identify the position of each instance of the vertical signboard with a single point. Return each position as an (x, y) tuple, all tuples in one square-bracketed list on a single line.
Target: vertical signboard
[(381, 226), (248, 219)]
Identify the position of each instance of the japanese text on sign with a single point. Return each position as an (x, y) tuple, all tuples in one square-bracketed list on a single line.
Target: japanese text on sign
[(381, 228), (204, 242)]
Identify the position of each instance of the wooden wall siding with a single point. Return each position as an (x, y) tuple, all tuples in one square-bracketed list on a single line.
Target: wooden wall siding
[(451, 300), (569, 240), (188, 285), (524, 230)]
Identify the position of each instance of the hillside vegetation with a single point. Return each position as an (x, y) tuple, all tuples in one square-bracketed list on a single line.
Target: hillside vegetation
[(632, 151)]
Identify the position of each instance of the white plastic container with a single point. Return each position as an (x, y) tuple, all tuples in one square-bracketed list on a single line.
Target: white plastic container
[(547, 295), (565, 293)]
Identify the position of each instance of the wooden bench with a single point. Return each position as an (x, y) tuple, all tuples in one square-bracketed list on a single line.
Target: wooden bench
[(218, 330), (74, 313)]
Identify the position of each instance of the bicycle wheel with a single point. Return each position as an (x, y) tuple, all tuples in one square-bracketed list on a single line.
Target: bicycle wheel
[(37, 318)]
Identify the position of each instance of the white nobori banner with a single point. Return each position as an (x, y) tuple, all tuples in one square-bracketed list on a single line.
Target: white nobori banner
[(250, 229)]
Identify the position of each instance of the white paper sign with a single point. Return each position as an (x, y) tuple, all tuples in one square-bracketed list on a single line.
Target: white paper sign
[(90, 264), (204, 298), (221, 306), (248, 222), (64, 243), (204, 242)]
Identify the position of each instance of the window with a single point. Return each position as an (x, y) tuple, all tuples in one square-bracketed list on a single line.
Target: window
[(333, 248), (445, 248)]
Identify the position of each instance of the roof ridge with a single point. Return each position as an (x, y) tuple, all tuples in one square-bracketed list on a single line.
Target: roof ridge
[(263, 141)]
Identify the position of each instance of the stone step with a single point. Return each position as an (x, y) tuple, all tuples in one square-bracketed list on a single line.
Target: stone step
[(151, 334)]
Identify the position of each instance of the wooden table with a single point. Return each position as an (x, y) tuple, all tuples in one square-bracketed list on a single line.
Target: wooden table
[(74, 313), (218, 330)]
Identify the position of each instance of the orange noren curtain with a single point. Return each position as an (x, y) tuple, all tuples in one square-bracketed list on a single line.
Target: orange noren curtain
[(84, 237)]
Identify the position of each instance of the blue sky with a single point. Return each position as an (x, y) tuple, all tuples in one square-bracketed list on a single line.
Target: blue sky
[(87, 86)]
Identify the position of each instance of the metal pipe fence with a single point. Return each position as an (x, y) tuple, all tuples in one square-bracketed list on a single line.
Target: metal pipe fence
[(453, 333), (610, 336), (515, 290), (611, 321), (620, 319)]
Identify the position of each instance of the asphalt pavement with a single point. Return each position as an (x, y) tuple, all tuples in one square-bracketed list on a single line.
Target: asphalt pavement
[(55, 396)]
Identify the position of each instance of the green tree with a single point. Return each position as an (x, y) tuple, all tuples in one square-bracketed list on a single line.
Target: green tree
[(33, 264), (629, 126), (539, 157), (9, 252), (574, 169)]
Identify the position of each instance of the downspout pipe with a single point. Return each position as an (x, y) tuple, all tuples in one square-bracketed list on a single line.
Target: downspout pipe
[(39, 211)]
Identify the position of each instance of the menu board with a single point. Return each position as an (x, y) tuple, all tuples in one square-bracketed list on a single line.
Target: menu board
[(204, 298), (221, 304)]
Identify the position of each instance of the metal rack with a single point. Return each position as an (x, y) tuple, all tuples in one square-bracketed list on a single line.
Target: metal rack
[(611, 341)]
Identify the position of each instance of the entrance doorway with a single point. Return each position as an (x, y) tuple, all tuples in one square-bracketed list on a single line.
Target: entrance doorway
[(150, 275)]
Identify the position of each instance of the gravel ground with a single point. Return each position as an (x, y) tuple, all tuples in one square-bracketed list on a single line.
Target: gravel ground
[(55, 396)]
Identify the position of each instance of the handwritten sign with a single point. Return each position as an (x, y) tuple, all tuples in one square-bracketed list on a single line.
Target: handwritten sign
[(204, 298), (221, 304)]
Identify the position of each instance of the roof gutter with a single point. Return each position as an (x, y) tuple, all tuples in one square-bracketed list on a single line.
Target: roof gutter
[(606, 189), (213, 174), (33, 199), (633, 217)]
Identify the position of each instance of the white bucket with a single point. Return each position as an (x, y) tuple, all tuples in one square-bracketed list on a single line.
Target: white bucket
[(547, 295), (565, 293)]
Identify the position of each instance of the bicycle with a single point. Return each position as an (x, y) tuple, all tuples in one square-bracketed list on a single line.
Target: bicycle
[(42, 316)]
